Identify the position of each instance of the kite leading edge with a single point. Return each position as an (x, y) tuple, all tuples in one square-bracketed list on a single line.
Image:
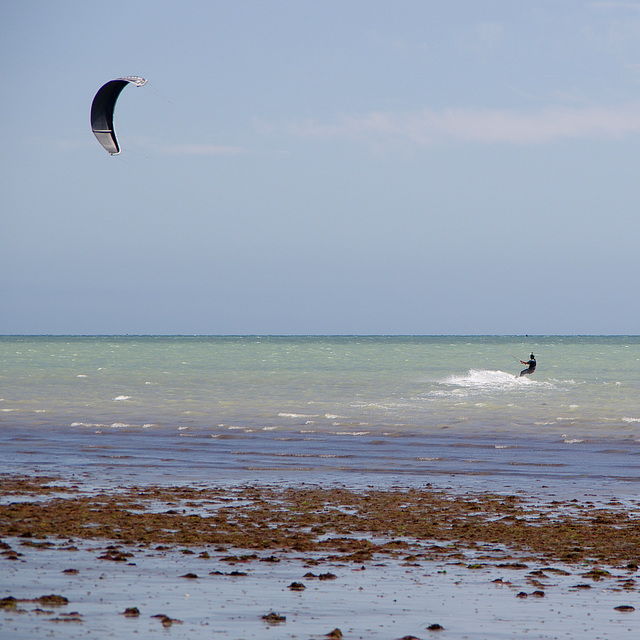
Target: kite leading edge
[(102, 108)]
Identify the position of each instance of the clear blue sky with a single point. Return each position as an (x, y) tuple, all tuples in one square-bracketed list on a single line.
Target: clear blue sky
[(314, 167)]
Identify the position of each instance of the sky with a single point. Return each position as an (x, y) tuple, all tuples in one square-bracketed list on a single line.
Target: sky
[(322, 167)]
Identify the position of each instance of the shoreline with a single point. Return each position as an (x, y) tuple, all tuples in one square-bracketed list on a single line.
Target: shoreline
[(544, 566)]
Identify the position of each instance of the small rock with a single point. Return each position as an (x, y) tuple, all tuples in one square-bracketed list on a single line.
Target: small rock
[(435, 627), (326, 576), (115, 556), (336, 634), (9, 603), (625, 607), (270, 559), (190, 576), (71, 572), (522, 594), (274, 618), (538, 594), (297, 586), (131, 612)]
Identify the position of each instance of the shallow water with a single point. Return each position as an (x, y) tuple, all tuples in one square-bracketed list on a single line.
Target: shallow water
[(389, 599), (355, 409)]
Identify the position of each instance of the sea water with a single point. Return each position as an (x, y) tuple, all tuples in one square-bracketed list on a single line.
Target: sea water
[(352, 409)]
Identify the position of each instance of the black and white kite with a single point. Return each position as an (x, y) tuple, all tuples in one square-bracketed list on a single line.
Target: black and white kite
[(102, 108)]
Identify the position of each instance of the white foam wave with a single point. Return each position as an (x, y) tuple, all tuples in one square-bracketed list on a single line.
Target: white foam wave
[(282, 414), (121, 398), (100, 425), (486, 379), (630, 420), (483, 378)]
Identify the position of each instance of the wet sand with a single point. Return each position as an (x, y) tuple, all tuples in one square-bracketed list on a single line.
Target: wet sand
[(307, 561)]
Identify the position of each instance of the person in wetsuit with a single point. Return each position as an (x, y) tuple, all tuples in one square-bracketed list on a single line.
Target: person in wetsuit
[(531, 366)]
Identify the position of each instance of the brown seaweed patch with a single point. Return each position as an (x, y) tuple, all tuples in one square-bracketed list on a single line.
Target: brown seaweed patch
[(30, 485), (10, 603), (313, 519), (166, 620), (597, 574), (52, 600), (74, 616)]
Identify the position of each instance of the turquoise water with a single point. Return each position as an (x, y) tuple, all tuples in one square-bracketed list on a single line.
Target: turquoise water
[(320, 407)]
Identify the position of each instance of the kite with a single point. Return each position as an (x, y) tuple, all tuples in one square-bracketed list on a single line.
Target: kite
[(102, 108)]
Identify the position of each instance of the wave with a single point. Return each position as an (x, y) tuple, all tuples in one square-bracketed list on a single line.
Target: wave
[(113, 425), (485, 378)]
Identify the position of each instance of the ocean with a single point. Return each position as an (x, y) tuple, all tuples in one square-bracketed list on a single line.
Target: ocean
[(357, 410)]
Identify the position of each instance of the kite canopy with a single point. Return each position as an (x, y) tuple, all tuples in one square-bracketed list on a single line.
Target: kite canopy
[(102, 108)]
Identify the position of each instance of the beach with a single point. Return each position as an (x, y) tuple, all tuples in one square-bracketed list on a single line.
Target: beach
[(310, 487), (260, 561)]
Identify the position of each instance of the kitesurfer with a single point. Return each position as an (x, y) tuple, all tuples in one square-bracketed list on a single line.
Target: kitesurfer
[(531, 366)]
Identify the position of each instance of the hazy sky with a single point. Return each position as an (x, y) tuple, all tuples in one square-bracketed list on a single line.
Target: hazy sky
[(321, 167)]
